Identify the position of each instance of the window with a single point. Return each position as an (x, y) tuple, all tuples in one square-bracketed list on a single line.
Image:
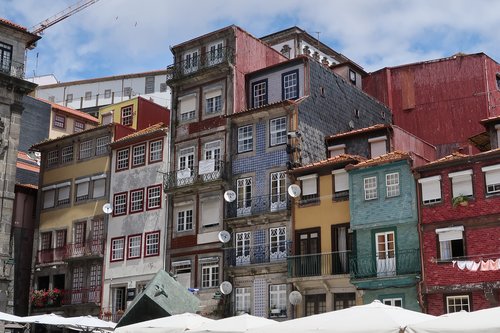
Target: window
[(259, 93), (67, 154), (46, 240), (52, 99), (378, 146), (278, 191), (187, 107), (336, 150), (461, 183), (451, 243), (182, 269), (370, 186), (82, 189), (77, 283), (120, 204), (59, 121), (244, 196), (277, 243), (185, 219), (127, 92), (245, 138), (139, 155), (137, 200), (119, 298), (210, 212), (163, 87), (277, 129), (392, 184), (186, 161), (95, 282), (398, 301), (117, 248), (79, 233), (309, 188), (5, 57), (98, 186), (211, 163), (101, 146), (134, 246), (155, 151), (127, 116), (352, 76), (60, 238), (122, 159), (209, 275), (457, 303), (190, 62), (88, 95), (63, 190), (52, 158), (152, 244), (149, 87), (290, 85), (315, 304), (277, 299), (242, 244), (78, 126), (344, 300), (49, 195), (243, 300), (492, 178), (107, 93), (69, 98), (431, 189), (215, 55), (85, 149), (340, 184), (214, 104), (154, 197)]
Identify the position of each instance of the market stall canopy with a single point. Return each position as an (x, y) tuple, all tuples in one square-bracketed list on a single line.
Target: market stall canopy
[(171, 324), (46, 319), (241, 323), (89, 323), (8, 317)]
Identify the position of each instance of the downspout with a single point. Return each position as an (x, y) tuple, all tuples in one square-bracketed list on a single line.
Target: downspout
[(487, 88), (420, 297)]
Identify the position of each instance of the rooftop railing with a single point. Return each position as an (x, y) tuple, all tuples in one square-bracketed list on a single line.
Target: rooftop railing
[(196, 62)]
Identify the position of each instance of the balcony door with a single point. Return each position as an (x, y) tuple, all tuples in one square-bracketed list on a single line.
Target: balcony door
[(341, 247), (186, 166), (79, 238), (97, 236), (278, 191), (242, 241), (244, 196), (211, 163), (386, 254), (308, 260)]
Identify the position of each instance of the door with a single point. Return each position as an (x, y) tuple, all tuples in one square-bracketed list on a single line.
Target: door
[(97, 236), (308, 258), (186, 166), (242, 240), (244, 196), (341, 247), (277, 243), (212, 161), (386, 255), (278, 191), (79, 233)]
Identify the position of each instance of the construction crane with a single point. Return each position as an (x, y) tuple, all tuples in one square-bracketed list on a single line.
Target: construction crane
[(73, 9)]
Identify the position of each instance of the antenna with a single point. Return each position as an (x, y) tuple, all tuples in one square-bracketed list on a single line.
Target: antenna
[(107, 208), (226, 287), (224, 236), (294, 190), (229, 196)]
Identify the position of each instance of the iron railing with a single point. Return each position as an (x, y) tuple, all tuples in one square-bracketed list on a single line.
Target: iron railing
[(383, 265), (319, 264), (92, 248), (109, 314), (12, 68), (196, 63), (257, 254), (192, 176), (51, 255), (257, 205), (82, 296)]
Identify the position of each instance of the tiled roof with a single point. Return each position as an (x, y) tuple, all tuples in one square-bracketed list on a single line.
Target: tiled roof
[(149, 130), (357, 131), (382, 159), (339, 159), (453, 157), (37, 145), (262, 108), (459, 157), (73, 112), (12, 24), (490, 119)]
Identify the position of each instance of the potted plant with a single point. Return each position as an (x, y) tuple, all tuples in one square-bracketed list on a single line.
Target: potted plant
[(461, 200)]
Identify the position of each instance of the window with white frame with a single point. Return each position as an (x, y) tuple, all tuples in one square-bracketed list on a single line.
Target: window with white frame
[(210, 275), (290, 85), (213, 101), (396, 301), (187, 107), (136, 200), (243, 300), (98, 186), (451, 242), (244, 196), (378, 146), (336, 150), (155, 151), (259, 93), (126, 115), (59, 121), (122, 159), (139, 155), (277, 243), (120, 204), (60, 238), (215, 53), (134, 246), (149, 86), (63, 193), (245, 138), (154, 197), (370, 187), (78, 126), (277, 297), (309, 184), (340, 184), (117, 248), (49, 196), (210, 211), (186, 162), (277, 131), (461, 183), (278, 190), (67, 154), (185, 218), (152, 247), (82, 189), (190, 61), (392, 184), (242, 244), (492, 178), (431, 189), (77, 282), (212, 152), (457, 303), (101, 146), (85, 149), (52, 158)]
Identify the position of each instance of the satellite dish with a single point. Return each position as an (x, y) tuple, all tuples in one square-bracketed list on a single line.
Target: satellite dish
[(224, 236), (229, 196), (226, 287), (294, 190), (295, 297), (107, 208)]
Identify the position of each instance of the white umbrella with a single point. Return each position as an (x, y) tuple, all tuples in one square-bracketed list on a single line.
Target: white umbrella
[(241, 323), (171, 324), (89, 323), (484, 321), (8, 317), (47, 319)]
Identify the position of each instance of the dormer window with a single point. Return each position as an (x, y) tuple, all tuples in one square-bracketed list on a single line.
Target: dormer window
[(259, 93), (191, 61), (290, 85), (461, 183), (215, 53), (378, 146), (352, 76)]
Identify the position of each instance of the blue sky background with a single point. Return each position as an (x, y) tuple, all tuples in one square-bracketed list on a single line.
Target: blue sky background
[(128, 36)]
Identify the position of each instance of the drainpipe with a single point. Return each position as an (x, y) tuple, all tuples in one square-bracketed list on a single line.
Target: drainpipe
[(420, 283)]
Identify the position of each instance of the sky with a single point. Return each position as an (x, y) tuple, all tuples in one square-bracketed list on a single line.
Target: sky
[(114, 37)]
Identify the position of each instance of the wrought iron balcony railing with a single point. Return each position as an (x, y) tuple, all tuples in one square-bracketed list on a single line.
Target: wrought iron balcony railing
[(12, 68), (197, 62), (319, 264), (92, 248), (204, 173), (51, 255), (109, 314), (257, 254), (386, 264), (82, 296), (257, 205)]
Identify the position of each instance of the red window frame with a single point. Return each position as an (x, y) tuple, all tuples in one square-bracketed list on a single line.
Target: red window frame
[(46, 240), (127, 120), (153, 187), (131, 203), (78, 126), (146, 244), (59, 121), (125, 194), (61, 238), (117, 167), (161, 151), (128, 246), (134, 165), (112, 250)]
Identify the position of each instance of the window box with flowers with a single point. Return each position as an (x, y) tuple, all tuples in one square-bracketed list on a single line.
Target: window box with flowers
[(43, 298)]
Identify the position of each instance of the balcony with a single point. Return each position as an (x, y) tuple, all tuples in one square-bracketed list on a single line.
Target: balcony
[(385, 265), (109, 314), (207, 171), (308, 265), (48, 256), (82, 296), (12, 68), (257, 254), (257, 205), (196, 64), (92, 248)]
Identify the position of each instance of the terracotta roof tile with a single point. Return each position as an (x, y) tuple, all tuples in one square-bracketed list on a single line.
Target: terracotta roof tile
[(12, 24), (149, 130), (357, 131), (262, 108), (382, 159), (73, 112), (339, 159), (453, 157), (490, 119), (36, 146)]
